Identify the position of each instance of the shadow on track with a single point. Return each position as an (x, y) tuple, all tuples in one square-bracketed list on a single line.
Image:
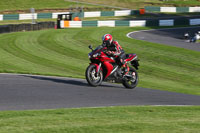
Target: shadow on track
[(77, 82)]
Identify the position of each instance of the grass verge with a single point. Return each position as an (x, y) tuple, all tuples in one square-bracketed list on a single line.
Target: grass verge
[(143, 119), (135, 4), (64, 53), (23, 6)]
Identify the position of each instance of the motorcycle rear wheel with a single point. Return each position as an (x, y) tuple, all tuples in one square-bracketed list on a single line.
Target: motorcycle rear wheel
[(131, 83), (92, 77)]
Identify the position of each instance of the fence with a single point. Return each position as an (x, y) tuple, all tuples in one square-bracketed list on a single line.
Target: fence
[(26, 27)]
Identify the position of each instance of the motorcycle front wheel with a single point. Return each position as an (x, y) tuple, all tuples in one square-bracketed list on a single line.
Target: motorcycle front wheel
[(131, 81), (93, 78)]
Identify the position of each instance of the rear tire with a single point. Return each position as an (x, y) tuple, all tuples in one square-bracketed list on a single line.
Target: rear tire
[(132, 81), (91, 76)]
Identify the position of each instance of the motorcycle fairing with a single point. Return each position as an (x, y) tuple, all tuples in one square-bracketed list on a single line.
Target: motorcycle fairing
[(109, 68), (130, 57), (107, 63)]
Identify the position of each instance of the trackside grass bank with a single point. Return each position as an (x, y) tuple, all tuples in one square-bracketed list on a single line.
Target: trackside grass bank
[(16, 6), (6, 5), (143, 119), (65, 53)]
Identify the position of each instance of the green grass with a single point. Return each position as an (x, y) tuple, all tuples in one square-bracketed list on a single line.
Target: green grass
[(27, 4), (136, 4), (143, 119), (17, 5), (64, 53)]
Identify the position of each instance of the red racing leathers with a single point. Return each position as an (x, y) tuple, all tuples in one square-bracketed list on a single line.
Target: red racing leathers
[(116, 50)]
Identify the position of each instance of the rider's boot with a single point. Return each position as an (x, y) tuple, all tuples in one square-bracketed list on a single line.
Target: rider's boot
[(125, 68)]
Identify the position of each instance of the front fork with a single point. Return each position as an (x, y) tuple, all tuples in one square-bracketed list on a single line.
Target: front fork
[(98, 67)]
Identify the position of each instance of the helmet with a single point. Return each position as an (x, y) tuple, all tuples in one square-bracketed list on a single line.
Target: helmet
[(107, 40)]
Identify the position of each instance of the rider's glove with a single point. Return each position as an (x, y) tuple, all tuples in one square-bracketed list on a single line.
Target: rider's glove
[(109, 53)]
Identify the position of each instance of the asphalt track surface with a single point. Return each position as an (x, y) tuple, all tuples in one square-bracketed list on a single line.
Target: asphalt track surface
[(171, 36), (27, 92)]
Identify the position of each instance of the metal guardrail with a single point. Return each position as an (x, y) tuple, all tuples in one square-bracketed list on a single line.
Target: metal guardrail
[(30, 16), (172, 9), (132, 23)]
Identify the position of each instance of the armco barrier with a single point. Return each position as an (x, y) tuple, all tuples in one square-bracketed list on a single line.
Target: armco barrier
[(172, 9), (181, 21), (98, 13), (122, 23), (195, 21), (44, 15), (152, 23), (107, 13), (79, 24), (27, 16), (131, 23), (152, 9), (169, 22), (137, 23), (194, 9), (182, 9), (26, 27), (1, 17), (74, 14), (11, 17), (89, 23)]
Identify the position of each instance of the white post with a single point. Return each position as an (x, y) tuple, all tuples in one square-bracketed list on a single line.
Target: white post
[(33, 15)]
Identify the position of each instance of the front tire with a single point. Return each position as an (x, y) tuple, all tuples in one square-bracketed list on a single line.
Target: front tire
[(131, 81), (92, 77)]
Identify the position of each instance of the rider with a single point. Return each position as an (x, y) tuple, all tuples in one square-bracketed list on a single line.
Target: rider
[(196, 37), (114, 49)]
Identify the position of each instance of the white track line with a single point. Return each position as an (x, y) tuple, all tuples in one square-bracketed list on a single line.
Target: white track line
[(128, 35)]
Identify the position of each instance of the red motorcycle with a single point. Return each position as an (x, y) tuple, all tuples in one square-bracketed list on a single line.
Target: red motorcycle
[(106, 68)]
